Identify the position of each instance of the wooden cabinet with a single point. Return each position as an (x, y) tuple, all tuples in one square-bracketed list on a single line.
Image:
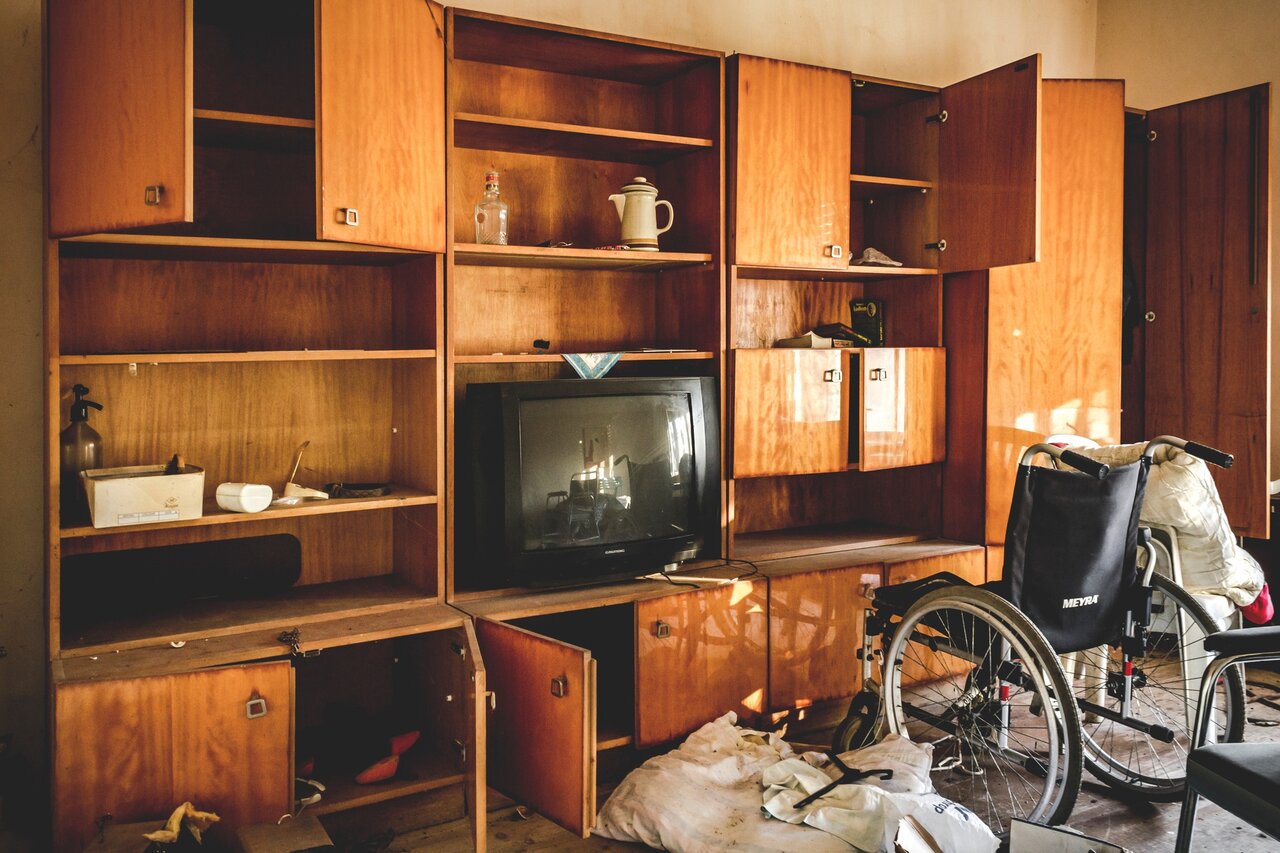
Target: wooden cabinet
[(1204, 285), (968, 566), (1028, 351), (789, 189), (897, 416), (789, 412), (138, 747), (698, 655), (201, 117)]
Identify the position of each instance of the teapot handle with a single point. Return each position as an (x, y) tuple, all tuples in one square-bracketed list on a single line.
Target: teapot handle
[(671, 215)]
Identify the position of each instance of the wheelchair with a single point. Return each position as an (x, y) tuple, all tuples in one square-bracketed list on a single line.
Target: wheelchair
[(1079, 657)]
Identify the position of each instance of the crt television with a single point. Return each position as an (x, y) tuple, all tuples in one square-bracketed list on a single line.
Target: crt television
[(579, 481)]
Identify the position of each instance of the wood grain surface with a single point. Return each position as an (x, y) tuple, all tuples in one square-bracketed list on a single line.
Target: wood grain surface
[(380, 135), (1208, 353), (989, 169), (788, 412), (120, 101), (789, 192), (713, 660), (902, 414)]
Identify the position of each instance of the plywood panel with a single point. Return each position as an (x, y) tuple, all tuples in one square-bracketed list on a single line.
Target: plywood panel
[(119, 114), (513, 92), (788, 412), (903, 412), (711, 661), (1208, 362), (989, 169), (908, 499), (964, 482), (1053, 328), (815, 629), (541, 747), (789, 192), (380, 129)]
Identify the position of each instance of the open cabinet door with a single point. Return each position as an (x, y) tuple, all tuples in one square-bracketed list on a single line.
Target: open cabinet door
[(541, 733), (989, 169), (120, 121), (380, 131), (1208, 285)]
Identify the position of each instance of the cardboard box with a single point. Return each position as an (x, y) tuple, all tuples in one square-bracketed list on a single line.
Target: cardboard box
[(143, 494)]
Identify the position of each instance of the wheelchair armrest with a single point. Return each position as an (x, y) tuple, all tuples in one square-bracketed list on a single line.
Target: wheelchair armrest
[(1245, 641)]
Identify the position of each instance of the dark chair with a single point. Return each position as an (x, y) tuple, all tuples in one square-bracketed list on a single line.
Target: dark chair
[(1243, 778)]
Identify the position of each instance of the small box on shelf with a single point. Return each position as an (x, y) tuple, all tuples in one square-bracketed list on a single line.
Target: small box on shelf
[(143, 494)]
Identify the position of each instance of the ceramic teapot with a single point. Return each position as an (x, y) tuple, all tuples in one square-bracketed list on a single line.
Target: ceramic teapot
[(638, 209)]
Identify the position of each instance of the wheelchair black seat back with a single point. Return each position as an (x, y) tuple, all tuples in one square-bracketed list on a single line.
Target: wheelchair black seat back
[(1071, 549)]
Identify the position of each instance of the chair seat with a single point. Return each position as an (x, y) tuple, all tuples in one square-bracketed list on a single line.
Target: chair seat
[(1243, 778)]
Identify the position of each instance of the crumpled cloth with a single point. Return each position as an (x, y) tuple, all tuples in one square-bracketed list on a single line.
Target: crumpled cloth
[(1181, 494), (705, 797)]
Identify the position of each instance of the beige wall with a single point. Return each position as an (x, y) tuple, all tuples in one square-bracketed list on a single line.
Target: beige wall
[(926, 41), (1169, 51)]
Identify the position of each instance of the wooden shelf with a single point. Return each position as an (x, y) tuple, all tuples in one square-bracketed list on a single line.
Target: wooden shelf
[(613, 738), (871, 187), (421, 769), (545, 358), (542, 257), (400, 496), (262, 356), (558, 139), (223, 129), (830, 274), (803, 541), (195, 248), (198, 620), (259, 644)]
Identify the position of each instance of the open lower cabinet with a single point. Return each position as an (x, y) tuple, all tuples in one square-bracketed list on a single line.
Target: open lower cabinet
[(569, 686), (132, 748)]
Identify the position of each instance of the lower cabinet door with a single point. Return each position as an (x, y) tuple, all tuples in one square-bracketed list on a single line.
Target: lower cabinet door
[(971, 564), (789, 412), (137, 748), (815, 632), (541, 739), (903, 407), (699, 654)]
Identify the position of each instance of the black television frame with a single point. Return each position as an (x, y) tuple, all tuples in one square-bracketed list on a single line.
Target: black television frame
[(489, 527)]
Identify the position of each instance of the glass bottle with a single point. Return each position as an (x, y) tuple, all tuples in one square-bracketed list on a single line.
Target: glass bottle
[(491, 214)]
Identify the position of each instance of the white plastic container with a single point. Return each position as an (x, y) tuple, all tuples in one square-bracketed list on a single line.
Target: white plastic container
[(143, 494), (244, 497)]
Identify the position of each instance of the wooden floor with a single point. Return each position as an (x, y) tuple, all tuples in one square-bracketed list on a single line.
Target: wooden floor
[(1099, 812)]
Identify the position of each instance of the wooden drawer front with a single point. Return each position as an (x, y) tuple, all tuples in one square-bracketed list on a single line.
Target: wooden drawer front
[(136, 748), (791, 199), (541, 744), (921, 665), (815, 630), (788, 412), (903, 415), (699, 654)]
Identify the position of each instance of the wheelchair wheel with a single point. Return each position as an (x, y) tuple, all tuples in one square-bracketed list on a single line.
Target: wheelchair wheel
[(967, 672), (1166, 685), (861, 724)]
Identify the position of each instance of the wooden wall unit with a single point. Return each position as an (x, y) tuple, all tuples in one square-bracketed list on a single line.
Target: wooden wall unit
[(1034, 349)]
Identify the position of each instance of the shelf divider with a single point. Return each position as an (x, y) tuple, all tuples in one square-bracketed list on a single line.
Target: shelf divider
[(543, 257), (531, 136)]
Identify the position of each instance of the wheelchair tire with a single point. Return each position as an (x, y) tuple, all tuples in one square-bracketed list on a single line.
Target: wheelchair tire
[(1010, 715), (861, 725), (1138, 764)]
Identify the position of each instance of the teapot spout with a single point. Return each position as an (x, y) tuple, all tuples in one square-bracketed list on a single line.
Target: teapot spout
[(619, 201)]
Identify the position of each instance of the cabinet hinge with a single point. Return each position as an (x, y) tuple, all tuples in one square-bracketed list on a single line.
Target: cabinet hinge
[(939, 245), (459, 650), (460, 748), (938, 118)]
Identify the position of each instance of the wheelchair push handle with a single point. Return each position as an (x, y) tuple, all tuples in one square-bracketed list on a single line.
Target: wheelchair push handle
[(1195, 448), (1091, 467)]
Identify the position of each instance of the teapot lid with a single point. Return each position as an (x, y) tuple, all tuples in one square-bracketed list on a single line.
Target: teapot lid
[(640, 185)]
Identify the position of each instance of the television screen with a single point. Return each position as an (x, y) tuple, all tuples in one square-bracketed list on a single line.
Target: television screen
[(606, 469)]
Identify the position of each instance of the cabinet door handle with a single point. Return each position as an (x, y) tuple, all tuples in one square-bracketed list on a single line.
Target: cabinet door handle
[(348, 216), (559, 687), (835, 250), (153, 195), (661, 630), (256, 707), (834, 375), (878, 374)]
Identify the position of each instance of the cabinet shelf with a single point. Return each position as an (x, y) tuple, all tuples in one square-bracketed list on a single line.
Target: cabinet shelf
[(871, 187), (559, 139), (211, 618), (401, 496), (821, 539), (547, 358), (419, 772), (241, 357), (542, 257), (225, 129), (197, 248), (828, 274)]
